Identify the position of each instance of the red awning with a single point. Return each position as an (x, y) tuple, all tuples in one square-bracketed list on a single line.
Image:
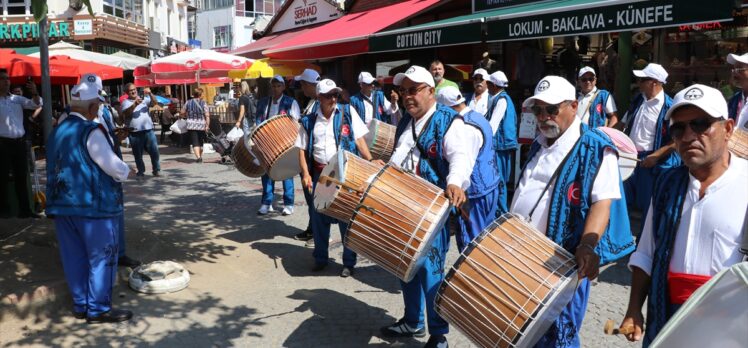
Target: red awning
[(348, 35), (254, 49)]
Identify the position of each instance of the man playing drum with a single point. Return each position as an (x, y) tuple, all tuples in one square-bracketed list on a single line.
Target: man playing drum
[(371, 103), (335, 126), (430, 142), (503, 119), (691, 231), (596, 106), (278, 103), (571, 191), (484, 191), (308, 81)]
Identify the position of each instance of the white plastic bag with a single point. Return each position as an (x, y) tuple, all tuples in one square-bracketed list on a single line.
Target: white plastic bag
[(235, 134), (179, 127)]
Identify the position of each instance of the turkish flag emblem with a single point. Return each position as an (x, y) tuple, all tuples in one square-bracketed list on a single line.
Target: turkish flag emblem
[(432, 150), (345, 130), (599, 108), (283, 112), (380, 110), (574, 194)]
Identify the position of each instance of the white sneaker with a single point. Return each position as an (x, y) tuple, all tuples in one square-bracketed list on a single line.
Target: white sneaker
[(288, 210), (265, 209)]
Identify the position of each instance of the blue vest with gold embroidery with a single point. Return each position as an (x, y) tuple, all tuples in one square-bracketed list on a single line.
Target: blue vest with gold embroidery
[(505, 137), (342, 129), (377, 101), (263, 108)]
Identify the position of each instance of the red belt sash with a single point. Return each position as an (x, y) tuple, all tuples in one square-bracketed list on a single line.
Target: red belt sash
[(681, 286), (318, 167)]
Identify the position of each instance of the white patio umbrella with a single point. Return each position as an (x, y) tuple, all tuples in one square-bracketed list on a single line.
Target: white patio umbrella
[(202, 63), (63, 48), (130, 59)]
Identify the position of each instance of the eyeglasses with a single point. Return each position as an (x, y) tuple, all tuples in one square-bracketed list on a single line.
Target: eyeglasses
[(329, 96), (698, 126), (644, 79), (412, 90), (737, 70), (587, 79), (550, 110)]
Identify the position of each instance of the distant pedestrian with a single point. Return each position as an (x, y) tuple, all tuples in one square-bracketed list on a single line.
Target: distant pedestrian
[(142, 136), (247, 108), (198, 122), (437, 71)]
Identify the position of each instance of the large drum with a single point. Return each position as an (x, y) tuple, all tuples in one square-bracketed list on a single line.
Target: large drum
[(627, 154), (244, 160), (274, 142), (738, 143), (508, 286), (350, 176), (380, 140), (397, 220)]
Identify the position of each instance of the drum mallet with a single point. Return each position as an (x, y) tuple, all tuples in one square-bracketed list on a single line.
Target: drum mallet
[(337, 182), (611, 329)]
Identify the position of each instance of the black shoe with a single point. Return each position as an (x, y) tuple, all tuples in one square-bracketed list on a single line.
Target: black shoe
[(305, 235), (199, 160), (126, 261), (156, 173), (437, 341), (140, 174), (347, 272), (113, 316), (79, 315), (319, 267), (401, 329)]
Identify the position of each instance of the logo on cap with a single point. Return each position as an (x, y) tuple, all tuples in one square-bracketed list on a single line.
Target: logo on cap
[(543, 85), (693, 94), (91, 78), (329, 83), (411, 70)]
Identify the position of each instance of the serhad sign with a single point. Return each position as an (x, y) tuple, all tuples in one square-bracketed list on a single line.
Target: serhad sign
[(25, 31), (302, 13), (83, 27), (486, 5)]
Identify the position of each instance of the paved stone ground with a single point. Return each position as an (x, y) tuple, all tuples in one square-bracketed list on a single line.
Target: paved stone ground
[(251, 282)]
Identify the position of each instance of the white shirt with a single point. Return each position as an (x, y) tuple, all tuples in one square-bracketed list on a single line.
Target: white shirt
[(742, 119), (458, 149), (498, 114), (309, 106), (324, 147), (643, 130), (479, 105), (274, 104), (11, 115), (583, 110), (540, 169), (709, 234), (389, 108), (141, 118), (102, 154)]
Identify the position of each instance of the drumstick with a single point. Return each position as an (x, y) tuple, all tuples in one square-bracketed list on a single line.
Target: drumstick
[(624, 155), (336, 182), (611, 329)]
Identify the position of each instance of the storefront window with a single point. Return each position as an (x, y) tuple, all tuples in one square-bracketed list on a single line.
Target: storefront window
[(16, 7), (123, 9), (222, 36)]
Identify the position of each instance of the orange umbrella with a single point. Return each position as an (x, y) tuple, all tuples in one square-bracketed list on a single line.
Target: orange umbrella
[(106, 72), (20, 67)]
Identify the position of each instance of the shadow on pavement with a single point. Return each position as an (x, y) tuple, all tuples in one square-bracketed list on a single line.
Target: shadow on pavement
[(616, 273)]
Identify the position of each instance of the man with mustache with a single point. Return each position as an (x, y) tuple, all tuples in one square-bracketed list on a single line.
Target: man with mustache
[(571, 191), (429, 142), (478, 102), (691, 231)]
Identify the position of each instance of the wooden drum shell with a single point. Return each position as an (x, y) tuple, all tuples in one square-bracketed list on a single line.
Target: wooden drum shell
[(335, 200), (244, 161), (738, 143), (381, 140), (274, 144)]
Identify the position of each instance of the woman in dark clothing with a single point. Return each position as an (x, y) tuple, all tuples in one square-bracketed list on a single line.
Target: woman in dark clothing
[(198, 121)]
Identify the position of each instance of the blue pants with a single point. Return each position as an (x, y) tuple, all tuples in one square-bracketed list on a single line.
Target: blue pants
[(483, 211), (145, 140), (638, 187), (321, 232), (88, 248), (565, 331), (121, 234), (268, 186), (421, 290), (505, 164)]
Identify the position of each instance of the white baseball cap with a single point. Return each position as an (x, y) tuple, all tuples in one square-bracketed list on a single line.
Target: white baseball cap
[(704, 97), (326, 86), (734, 58), (499, 79), (87, 89), (279, 79), (482, 72), (585, 70), (552, 90), (449, 96), (417, 74), (366, 78), (654, 71), (309, 75)]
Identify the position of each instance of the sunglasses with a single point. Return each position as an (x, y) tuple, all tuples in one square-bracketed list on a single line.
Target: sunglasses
[(698, 126), (644, 79), (737, 70), (587, 79), (550, 110), (329, 96), (412, 90)]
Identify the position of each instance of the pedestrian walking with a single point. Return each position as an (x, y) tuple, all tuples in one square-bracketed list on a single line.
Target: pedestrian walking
[(198, 122)]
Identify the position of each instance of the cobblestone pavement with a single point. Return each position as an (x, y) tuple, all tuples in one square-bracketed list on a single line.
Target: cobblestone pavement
[(251, 281)]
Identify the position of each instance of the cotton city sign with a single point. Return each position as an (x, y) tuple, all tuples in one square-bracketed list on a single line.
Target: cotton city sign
[(428, 37), (22, 31), (424, 38)]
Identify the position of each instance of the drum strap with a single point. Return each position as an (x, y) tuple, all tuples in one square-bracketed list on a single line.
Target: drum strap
[(585, 117), (744, 243)]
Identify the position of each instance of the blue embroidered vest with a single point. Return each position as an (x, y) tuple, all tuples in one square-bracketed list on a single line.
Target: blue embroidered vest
[(668, 195), (506, 135), (662, 131), (377, 100), (485, 176), (732, 106), (263, 108), (76, 185), (107, 115), (432, 165), (315, 107), (597, 109), (342, 129), (571, 199)]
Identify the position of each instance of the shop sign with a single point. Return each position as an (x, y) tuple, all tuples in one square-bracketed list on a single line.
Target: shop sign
[(195, 43), (638, 15), (83, 27), (431, 37), (485, 5), (22, 31), (302, 13)]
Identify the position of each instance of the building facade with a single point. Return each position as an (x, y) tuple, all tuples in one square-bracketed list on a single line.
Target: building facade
[(224, 25)]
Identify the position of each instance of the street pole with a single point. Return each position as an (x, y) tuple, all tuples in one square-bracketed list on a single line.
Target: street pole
[(46, 85)]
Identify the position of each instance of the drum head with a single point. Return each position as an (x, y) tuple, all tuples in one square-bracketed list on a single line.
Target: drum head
[(547, 315), (627, 166), (286, 166), (326, 192)]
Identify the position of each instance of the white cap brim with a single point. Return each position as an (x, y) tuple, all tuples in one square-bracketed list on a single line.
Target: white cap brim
[(713, 112), (544, 97), (734, 58), (640, 73)]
